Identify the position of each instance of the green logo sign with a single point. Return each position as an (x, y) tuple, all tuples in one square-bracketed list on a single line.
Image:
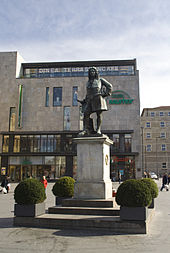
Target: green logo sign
[(120, 97)]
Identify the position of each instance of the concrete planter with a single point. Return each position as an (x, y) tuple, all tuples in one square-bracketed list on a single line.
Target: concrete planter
[(58, 200), (29, 210), (152, 205), (133, 213)]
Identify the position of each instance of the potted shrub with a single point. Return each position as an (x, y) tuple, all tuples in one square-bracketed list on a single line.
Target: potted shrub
[(134, 197), (153, 189), (29, 196), (63, 188)]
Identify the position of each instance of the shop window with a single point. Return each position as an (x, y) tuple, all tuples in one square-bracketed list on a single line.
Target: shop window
[(47, 97), (57, 96), (12, 118), (60, 166), (67, 123)]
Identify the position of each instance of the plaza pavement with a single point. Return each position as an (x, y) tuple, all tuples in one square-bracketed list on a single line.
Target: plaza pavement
[(18, 239)]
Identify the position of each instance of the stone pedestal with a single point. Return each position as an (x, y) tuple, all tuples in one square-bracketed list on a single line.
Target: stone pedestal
[(93, 168)]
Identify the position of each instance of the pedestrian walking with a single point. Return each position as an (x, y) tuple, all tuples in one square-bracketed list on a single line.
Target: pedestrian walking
[(5, 185), (164, 182), (44, 182)]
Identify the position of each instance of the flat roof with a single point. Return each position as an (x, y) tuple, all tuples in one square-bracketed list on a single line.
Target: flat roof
[(80, 64)]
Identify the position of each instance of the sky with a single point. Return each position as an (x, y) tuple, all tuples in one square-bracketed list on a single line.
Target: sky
[(73, 30)]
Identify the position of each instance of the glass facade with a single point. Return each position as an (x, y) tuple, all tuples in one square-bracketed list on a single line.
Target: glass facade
[(55, 155), (78, 71)]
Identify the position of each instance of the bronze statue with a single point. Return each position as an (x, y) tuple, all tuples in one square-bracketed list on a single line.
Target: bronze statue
[(97, 89)]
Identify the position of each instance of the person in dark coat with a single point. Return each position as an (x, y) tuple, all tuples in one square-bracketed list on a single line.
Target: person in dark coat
[(5, 183), (164, 181)]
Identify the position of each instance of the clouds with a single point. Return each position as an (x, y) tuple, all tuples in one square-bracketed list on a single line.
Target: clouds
[(55, 30)]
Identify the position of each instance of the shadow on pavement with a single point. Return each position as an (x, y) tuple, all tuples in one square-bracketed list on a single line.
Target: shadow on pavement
[(84, 233), (6, 222)]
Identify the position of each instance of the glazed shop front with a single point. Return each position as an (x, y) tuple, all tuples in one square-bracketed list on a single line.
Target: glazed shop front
[(52, 167)]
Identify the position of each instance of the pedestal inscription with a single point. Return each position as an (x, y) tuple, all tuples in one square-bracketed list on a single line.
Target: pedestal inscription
[(93, 168)]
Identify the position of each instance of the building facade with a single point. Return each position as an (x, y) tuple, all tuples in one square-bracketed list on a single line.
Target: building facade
[(155, 129), (40, 116)]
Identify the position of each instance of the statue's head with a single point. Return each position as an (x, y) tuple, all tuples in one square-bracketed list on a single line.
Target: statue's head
[(93, 73)]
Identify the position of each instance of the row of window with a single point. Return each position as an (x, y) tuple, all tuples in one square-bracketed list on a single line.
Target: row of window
[(162, 135), (57, 143), (162, 124), (153, 114), (57, 96), (66, 118), (149, 147), (77, 71)]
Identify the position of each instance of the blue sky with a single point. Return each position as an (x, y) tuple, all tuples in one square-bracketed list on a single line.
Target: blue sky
[(70, 30)]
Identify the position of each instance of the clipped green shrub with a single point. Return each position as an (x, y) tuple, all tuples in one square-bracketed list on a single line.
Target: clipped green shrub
[(152, 186), (29, 191), (64, 187), (133, 193)]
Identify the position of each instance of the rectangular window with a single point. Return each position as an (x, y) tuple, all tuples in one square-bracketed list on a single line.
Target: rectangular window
[(75, 93), (161, 114), (152, 114), (163, 165), (148, 148), (47, 97), (162, 124), (12, 118), (163, 147), (81, 116), (5, 145), (57, 143), (148, 135), (163, 135), (168, 113), (17, 143), (67, 124), (116, 143), (57, 96), (148, 124), (128, 141)]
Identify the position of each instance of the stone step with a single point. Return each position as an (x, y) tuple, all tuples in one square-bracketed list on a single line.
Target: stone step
[(105, 224), (99, 203), (84, 210)]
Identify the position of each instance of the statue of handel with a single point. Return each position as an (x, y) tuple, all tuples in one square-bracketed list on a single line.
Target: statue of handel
[(97, 89)]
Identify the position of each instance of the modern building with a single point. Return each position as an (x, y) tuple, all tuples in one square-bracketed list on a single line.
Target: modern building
[(155, 126), (40, 116)]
